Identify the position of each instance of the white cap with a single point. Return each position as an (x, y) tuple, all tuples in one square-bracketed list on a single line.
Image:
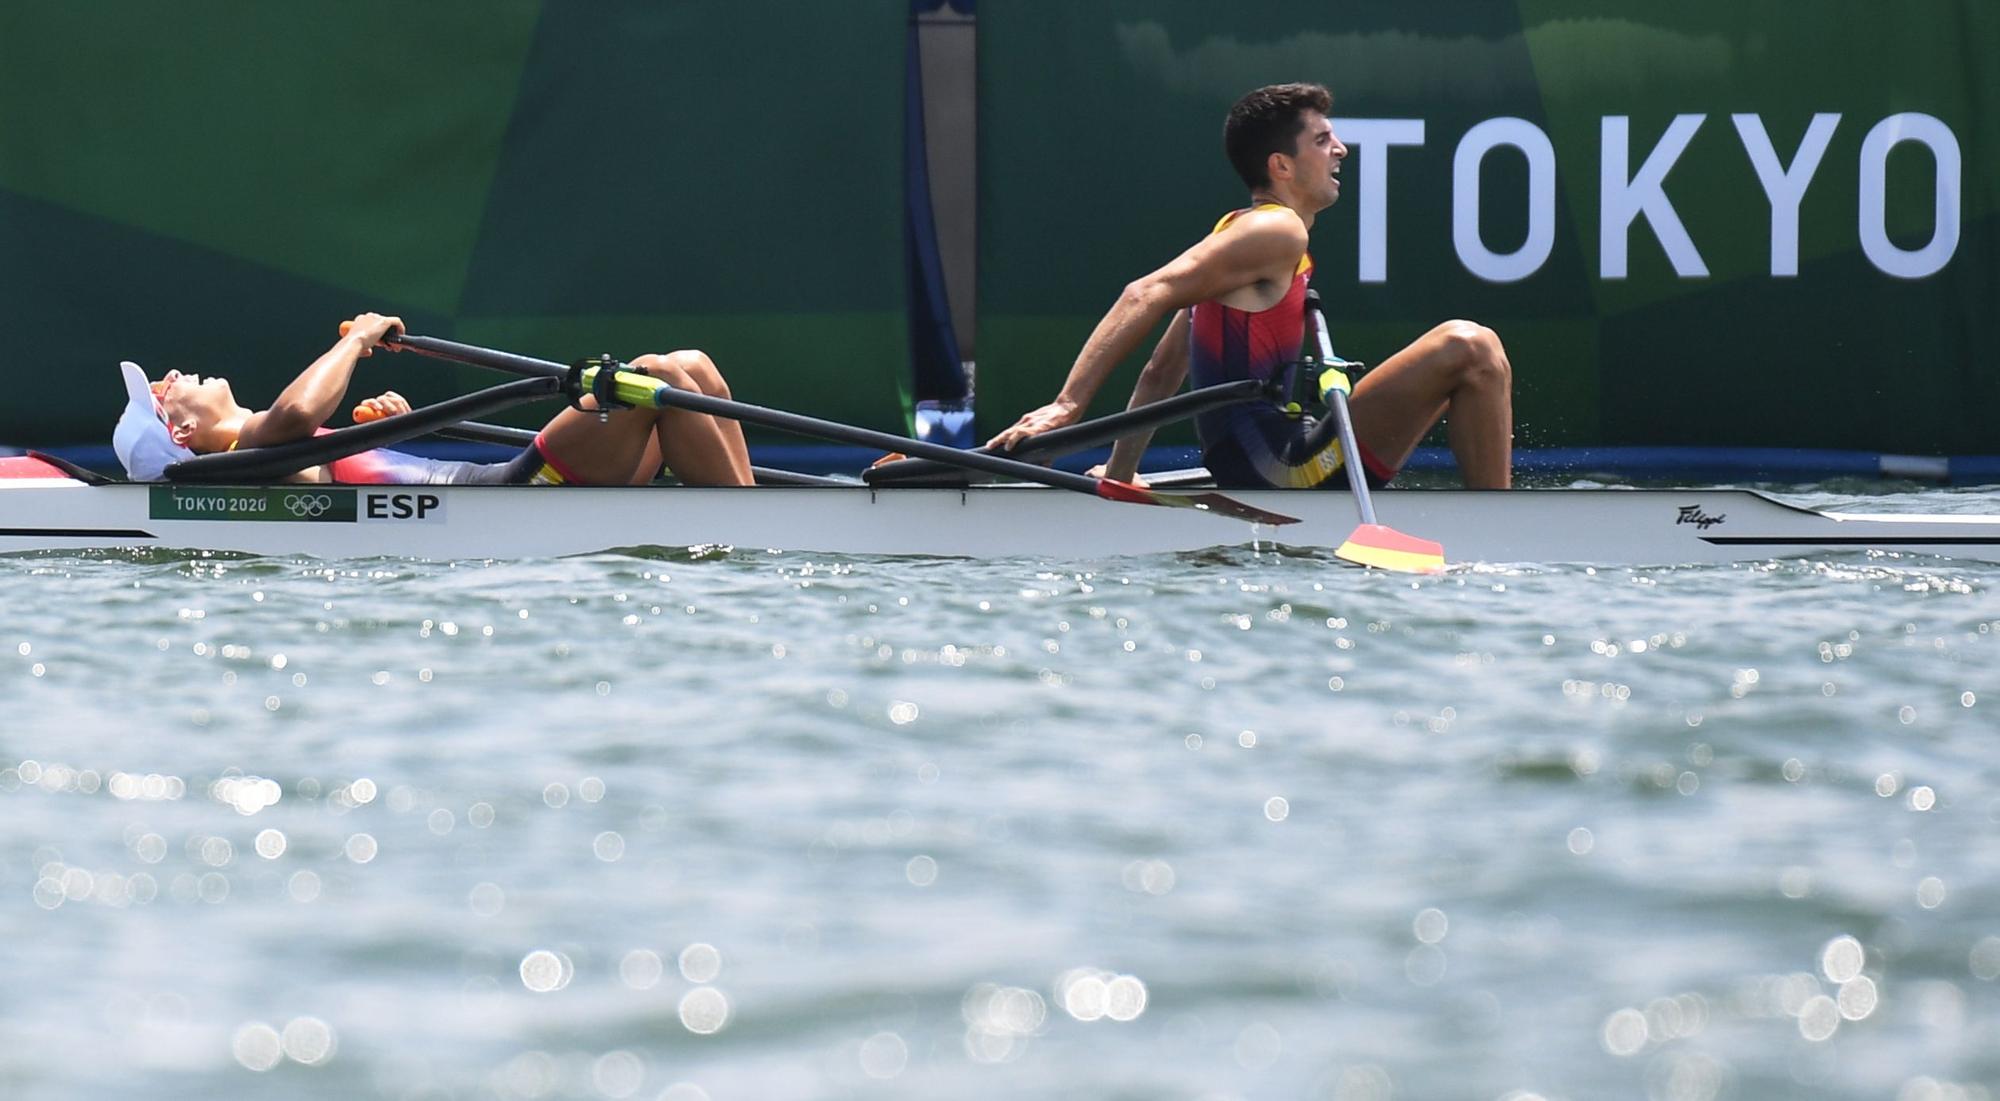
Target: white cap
[(141, 439)]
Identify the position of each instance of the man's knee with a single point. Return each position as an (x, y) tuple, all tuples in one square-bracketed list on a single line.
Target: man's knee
[(694, 366), (666, 370), (1474, 349)]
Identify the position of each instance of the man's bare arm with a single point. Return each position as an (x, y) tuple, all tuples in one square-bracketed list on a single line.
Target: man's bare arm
[(312, 397), (1254, 249), (1162, 376)]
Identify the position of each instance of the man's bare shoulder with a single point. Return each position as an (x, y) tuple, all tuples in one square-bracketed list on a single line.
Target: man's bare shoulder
[(1259, 251), (1254, 253), (1271, 225)]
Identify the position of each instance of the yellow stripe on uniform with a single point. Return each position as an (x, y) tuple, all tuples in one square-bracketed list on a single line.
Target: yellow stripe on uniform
[(1323, 465)]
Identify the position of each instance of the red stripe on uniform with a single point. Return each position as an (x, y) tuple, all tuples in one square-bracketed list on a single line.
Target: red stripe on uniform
[(568, 476), (1376, 468)]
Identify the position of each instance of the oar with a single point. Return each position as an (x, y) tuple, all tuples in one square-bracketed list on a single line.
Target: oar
[(502, 435), (281, 460), (635, 388), (1371, 543), (1103, 430)]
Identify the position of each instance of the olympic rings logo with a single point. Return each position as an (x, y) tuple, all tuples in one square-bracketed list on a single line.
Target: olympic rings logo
[(306, 505)]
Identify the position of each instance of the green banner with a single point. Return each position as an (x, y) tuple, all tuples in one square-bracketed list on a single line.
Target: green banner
[(214, 186), (1717, 222), (289, 505)]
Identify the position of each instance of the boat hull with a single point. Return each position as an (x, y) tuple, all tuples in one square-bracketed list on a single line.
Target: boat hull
[(1554, 525)]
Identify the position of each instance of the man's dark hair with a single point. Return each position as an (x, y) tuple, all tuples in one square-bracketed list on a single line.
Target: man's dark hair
[(1266, 121)]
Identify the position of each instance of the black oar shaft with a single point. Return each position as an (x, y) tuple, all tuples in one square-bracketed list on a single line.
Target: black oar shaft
[(802, 425), (1103, 430), (280, 460), (778, 419), (497, 434), (477, 356), (503, 436)]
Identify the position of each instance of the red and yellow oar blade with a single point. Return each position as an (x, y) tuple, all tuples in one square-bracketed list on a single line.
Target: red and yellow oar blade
[(1208, 502), (1385, 548)]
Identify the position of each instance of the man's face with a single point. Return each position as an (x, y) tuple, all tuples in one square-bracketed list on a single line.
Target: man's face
[(191, 400), (1316, 161)]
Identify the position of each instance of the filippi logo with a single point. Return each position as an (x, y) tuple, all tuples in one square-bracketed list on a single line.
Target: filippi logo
[(1693, 514)]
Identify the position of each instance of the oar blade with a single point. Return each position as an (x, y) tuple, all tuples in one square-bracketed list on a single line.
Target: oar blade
[(1385, 548), (1217, 503), (1230, 506)]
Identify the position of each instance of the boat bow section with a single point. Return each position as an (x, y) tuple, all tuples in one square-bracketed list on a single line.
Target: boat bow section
[(45, 503), (35, 472)]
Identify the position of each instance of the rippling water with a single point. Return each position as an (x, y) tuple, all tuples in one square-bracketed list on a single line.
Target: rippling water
[(744, 825)]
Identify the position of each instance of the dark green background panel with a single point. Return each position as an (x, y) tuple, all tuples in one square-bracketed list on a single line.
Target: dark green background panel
[(83, 293), (670, 155), (214, 186), (349, 143), (219, 183), (1101, 159)]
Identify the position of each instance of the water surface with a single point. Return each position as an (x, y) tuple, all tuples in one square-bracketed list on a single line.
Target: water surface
[(738, 825)]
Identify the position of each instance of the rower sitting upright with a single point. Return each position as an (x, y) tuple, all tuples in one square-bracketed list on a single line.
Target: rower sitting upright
[(183, 415), (1237, 299)]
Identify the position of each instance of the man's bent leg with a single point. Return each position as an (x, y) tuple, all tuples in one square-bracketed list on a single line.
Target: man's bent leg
[(700, 449), (1458, 371), (628, 446), (593, 451), (709, 378)]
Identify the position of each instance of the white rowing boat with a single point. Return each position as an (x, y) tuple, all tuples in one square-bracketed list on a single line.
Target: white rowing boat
[(42, 508), (49, 505)]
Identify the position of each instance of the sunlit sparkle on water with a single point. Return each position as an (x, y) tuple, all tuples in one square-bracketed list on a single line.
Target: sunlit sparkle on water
[(1228, 825)]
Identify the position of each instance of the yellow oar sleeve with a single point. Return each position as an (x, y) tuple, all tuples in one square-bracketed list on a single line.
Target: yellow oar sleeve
[(1331, 379)]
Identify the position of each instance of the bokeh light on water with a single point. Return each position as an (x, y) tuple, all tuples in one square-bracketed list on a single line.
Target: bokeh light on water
[(720, 824)]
